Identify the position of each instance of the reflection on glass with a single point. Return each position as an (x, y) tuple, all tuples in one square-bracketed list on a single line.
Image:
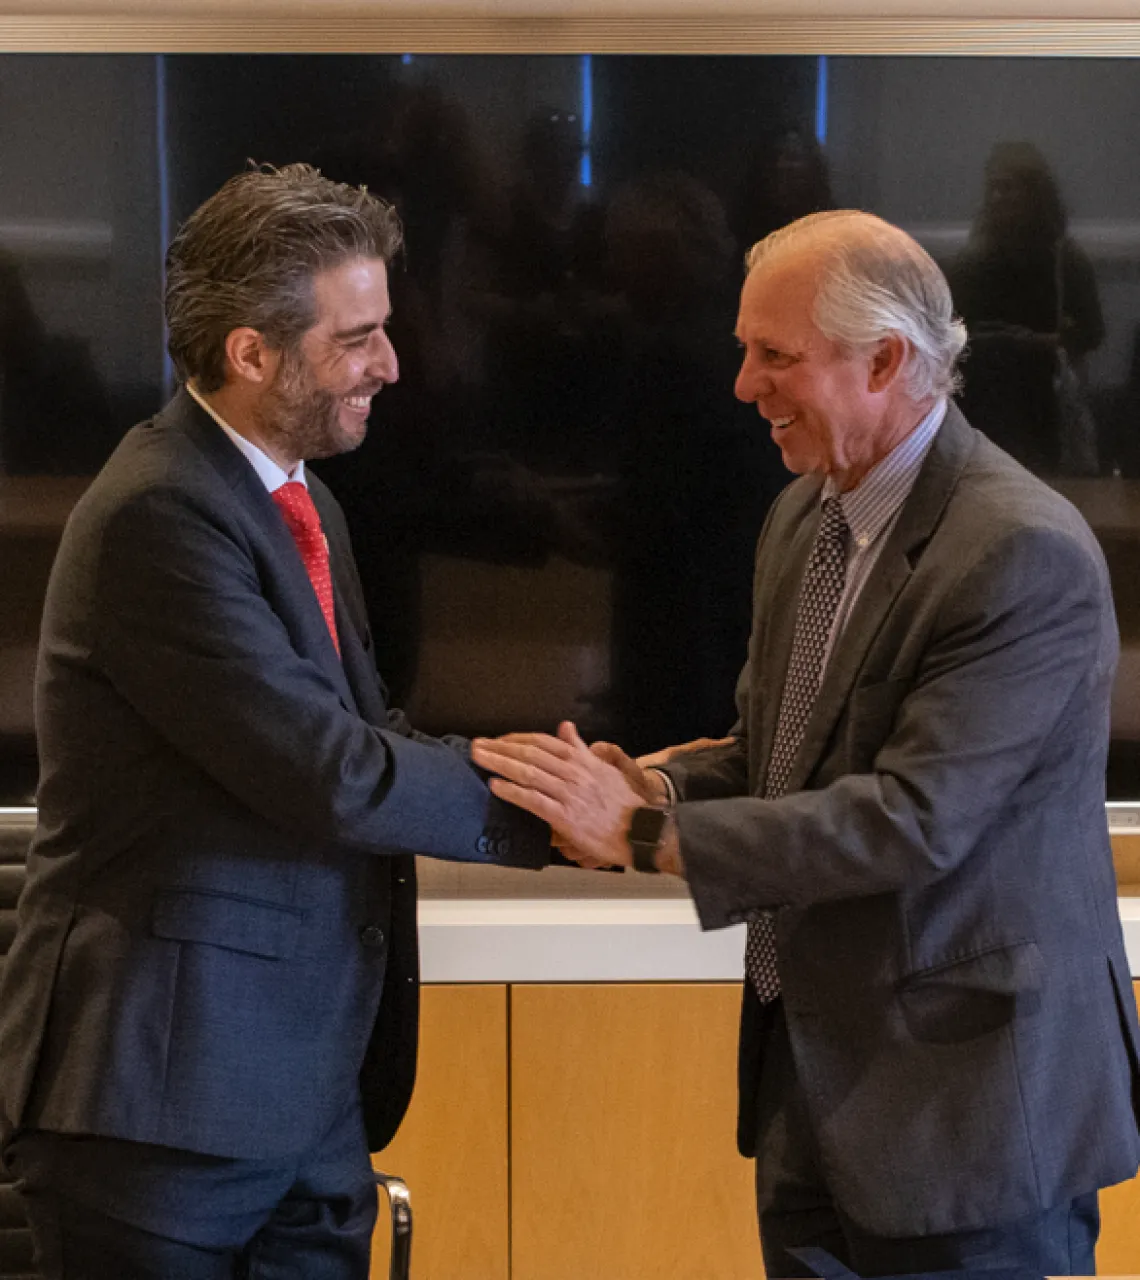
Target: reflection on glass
[(1028, 294), (556, 507)]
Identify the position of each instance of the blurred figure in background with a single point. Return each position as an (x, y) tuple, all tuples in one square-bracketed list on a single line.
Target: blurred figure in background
[(55, 414), (696, 477), (403, 491), (785, 177), (1028, 295), (550, 360)]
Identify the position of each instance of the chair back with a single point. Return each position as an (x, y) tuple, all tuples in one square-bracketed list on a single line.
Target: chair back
[(16, 827)]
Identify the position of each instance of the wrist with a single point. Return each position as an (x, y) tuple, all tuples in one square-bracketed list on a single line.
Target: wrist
[(668, 855)]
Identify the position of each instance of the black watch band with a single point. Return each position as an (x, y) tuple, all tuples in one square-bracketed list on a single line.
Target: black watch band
[(646, 827)]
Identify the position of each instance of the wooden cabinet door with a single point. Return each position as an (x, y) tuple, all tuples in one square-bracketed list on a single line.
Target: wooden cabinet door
[(1126, 859), (616, 1109), (624, 1161), (452, 1147), (1118, 1253)]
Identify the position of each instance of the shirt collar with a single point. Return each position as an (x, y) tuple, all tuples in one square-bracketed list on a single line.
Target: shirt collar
[(869, 507), (270, 474)]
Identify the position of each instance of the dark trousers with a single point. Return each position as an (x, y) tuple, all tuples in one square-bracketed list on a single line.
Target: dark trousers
[(796, 1209), (106, 1209)]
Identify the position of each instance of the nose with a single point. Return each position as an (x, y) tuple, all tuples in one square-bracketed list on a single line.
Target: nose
[(383, 363), (750, 381)]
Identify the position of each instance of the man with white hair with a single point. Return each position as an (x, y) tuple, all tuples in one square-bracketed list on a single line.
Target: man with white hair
[(938, 1057)]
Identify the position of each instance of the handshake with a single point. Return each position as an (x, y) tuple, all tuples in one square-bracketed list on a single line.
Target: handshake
[(586, 793)]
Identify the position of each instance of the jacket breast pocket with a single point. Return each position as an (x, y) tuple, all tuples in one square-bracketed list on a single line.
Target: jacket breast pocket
[(871, 717), (224, 920)]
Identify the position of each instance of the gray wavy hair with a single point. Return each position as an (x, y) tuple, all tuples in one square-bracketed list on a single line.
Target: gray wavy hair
[(876, 280), (248, 257)]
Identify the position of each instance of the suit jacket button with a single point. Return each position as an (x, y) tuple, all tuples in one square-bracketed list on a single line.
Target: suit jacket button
[(372, 935)]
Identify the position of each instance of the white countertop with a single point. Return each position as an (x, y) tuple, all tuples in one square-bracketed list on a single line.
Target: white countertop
[(599, 940), (574, 940)]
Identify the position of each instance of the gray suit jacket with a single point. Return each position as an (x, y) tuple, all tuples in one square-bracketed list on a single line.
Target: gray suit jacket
[(217, 943), (954, 978)]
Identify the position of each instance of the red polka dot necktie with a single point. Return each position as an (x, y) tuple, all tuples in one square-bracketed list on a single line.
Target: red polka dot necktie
[(820, 594), (296, 506)]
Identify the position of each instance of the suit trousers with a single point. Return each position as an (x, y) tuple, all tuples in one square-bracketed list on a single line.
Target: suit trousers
[(795, 1207), (104, 1207)]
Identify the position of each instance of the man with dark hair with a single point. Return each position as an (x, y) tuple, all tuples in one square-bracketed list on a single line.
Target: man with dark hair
[(938, 1055), (208, 1016)]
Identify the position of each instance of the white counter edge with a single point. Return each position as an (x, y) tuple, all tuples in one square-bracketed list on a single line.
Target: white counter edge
[(580, 940), (600, 940), (1130, 920)]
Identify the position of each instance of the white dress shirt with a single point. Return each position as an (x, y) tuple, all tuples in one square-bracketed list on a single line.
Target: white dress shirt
[(270, 474)]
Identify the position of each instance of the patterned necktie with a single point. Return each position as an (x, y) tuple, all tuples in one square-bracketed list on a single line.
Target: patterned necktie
[(820, 593), (296, 506)]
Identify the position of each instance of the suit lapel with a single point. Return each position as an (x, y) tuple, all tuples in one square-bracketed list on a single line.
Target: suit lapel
[(254, 499), (917, 520), (354, 661)]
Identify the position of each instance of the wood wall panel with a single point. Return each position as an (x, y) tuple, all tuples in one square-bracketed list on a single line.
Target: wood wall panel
[(1118, 1253), (618, 1103), (452, 1148), (623, 1101), (1126, 858)]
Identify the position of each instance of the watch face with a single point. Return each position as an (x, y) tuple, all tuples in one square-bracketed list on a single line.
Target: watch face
[(645, 828), (646, 825)]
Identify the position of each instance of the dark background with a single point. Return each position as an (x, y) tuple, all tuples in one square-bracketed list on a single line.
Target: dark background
[(556, 508)]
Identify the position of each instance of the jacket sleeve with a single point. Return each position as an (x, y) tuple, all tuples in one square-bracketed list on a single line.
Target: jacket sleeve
[(186, 635), (1021, 659)]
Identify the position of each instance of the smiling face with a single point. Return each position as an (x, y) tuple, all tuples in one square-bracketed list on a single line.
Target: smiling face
[(321, 396), (832, 410)]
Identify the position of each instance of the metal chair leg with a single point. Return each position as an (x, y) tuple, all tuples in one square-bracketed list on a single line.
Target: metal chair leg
[(400, 1205)]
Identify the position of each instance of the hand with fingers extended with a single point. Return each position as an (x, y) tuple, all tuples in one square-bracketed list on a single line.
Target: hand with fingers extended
[(587, 797), (666, 754)]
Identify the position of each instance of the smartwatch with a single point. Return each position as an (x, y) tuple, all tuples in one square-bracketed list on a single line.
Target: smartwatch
[(646, 827)]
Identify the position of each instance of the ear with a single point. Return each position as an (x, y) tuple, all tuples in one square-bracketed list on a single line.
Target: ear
[(887, 359), (249, 357)]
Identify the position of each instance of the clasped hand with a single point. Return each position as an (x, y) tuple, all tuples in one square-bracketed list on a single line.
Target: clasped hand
[(586, 794)]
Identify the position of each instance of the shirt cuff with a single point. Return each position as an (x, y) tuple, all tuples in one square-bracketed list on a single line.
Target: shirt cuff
[(670, 786)]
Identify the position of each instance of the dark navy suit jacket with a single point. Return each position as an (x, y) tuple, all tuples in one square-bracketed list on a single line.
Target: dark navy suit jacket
[(217, 943)]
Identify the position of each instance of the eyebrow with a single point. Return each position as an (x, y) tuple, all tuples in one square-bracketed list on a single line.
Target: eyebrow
[(769, 344), (359, 331), (758, 342)]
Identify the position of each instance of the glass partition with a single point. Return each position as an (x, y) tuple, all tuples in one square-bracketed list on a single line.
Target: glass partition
[(556, 508)]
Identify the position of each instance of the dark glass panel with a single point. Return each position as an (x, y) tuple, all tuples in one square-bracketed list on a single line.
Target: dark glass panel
[(556, 507)]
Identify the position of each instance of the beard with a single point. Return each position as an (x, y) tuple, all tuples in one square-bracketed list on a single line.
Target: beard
[(303, 416)]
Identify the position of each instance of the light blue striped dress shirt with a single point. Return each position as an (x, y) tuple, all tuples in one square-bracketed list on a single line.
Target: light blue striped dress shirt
[(872, 508)]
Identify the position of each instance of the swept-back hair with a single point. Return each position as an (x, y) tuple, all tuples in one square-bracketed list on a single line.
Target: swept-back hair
[(876, 280), (248, 256)]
